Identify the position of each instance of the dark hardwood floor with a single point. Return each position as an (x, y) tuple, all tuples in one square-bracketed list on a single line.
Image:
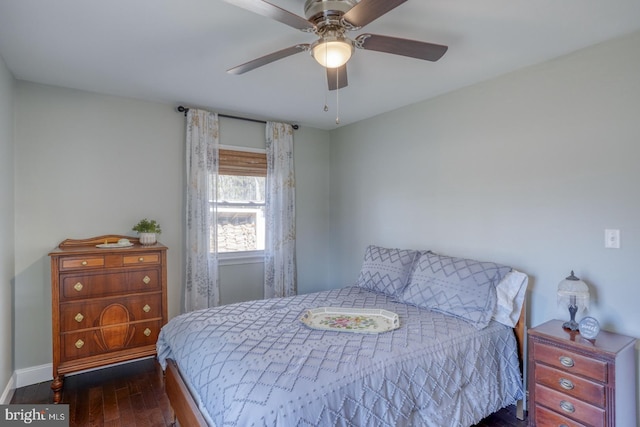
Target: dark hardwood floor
[(132, 395)]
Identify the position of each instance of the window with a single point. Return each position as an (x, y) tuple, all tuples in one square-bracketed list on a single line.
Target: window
[(241, 203)]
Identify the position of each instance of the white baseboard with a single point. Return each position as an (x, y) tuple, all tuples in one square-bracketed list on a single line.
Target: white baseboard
[(38, 374), (33, 375), (7, 394)]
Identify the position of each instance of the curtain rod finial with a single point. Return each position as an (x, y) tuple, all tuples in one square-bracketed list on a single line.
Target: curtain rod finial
[(182, 109)]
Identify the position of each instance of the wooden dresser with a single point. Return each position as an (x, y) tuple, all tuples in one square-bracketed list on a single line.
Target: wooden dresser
[(108, 304), (575, 382)]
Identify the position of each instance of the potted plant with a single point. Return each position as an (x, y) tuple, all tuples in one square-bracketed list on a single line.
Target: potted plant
[(147, 231)]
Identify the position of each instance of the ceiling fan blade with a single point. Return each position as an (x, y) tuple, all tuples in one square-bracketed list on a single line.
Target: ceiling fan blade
[(264, 60), (398, 46), (337, 77), (274, 12), (367, 11)]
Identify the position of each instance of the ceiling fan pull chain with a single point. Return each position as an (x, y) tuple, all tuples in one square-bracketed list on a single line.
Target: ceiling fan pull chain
[(337, 98), (326, 107)]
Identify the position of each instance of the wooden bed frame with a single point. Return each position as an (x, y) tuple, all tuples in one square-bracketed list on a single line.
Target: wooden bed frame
[(186, 412)]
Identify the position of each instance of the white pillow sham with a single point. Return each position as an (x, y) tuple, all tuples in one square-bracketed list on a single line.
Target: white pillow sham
[(510, 291)]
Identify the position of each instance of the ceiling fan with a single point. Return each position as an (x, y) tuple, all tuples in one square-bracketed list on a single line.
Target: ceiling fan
[(330, 20)]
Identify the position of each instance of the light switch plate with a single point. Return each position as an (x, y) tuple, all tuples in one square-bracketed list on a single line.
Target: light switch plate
[(612, 239)]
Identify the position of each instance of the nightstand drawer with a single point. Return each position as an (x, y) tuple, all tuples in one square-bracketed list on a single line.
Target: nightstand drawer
[(571, 385), (545, 417), (569, 361), (569, 406)]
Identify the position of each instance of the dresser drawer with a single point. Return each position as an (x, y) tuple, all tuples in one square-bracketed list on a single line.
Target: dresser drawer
[(146, 258), (79, 286), (75, 263), (107, 339), (547, 418), (569, 361), (82, 315), (571, 385), (569, 406)]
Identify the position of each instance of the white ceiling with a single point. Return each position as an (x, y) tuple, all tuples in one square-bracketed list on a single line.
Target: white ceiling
[(178, 51)]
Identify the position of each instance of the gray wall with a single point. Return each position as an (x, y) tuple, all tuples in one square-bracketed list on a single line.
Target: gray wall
[(527, 170), (89, 164), (7, 254)]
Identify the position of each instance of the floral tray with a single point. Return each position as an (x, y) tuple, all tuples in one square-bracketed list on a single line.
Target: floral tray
[(358, 320)]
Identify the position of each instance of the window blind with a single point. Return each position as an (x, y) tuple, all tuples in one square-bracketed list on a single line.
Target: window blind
[(242, 163)]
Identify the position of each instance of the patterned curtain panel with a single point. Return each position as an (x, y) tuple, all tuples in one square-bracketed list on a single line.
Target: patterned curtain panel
[(280, 236), (201, 264)]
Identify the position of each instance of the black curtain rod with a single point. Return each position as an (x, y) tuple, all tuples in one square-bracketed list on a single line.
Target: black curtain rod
[(185, 110)]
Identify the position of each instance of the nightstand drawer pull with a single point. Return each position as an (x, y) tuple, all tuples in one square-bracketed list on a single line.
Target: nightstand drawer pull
[(567, 362), (146, 280), (141, 259), (146, 308), (566, 384), (147, 332), (78, 286), (79, 317), (79, 344), (84, 263), (567, 407)]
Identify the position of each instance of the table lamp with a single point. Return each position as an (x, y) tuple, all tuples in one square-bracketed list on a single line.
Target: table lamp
[(573, 293)]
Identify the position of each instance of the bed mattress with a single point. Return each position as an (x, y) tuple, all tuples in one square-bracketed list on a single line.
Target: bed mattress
[(256, 364)]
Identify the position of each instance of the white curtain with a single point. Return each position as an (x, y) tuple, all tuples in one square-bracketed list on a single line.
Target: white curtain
[(201, 263), (280, 238)]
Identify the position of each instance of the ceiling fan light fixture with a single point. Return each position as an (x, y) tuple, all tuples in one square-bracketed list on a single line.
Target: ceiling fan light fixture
[(332, 52)]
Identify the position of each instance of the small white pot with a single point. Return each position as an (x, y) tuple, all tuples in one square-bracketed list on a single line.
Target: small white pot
[(147, 238)]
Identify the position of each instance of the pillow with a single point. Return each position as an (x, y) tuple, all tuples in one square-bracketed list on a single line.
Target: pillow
[(510, 293), (386, 270), (460, 287)]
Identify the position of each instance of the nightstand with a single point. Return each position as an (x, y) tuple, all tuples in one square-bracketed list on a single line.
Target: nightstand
[(575, 382)]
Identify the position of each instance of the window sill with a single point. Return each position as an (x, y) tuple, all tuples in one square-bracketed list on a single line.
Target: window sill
[(244, 257)]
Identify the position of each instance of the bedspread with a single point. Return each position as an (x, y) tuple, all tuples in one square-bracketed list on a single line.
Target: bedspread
[(255, 364)]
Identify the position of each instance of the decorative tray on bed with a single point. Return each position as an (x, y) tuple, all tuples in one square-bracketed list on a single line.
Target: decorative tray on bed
[(359, 320)]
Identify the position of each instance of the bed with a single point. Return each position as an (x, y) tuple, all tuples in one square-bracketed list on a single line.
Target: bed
[(453, 360)]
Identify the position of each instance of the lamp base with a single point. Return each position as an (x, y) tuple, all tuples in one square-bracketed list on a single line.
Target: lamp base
[(572, 325)]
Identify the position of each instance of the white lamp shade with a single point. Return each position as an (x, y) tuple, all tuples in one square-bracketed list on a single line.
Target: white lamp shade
[(332, 53), (573, 291)]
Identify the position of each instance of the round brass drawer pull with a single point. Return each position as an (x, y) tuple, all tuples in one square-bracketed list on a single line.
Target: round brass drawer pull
[(146, 280), (567, 407), (566, 384), (147, 332), (79, 317), (84, 263), (79, 344), (567, 362), (141, 259), (78, 286), (146, 308)]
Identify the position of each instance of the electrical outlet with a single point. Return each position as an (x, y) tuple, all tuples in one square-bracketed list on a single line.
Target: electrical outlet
[(612, 239)]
